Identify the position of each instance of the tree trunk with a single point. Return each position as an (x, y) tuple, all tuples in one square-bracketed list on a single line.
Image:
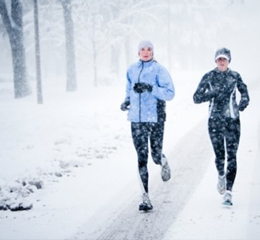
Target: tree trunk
[(70, 49), (14, 29), (169, 35), (127, 51), (94, 49), (115, 61), (37, 54), (94, 63)]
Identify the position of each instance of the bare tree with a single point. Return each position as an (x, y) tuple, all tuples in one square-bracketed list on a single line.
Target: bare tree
[(14, 28), (169, 34), (70, 49), (37, 54)]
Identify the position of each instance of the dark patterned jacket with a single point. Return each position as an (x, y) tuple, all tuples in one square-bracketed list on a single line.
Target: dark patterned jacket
[(219, 88)]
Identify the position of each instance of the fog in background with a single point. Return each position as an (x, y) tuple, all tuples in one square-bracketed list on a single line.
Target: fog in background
[(72, 159), (185, 34)]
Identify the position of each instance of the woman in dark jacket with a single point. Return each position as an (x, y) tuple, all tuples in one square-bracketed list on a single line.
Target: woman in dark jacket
[(219, 88)]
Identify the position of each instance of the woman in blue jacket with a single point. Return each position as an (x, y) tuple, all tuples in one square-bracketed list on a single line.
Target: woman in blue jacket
[(219, 88), (149, 85)]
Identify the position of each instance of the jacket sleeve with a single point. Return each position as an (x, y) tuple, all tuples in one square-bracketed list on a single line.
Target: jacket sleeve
[(203, 92), (163, 89), (128, 86), (242, 88)]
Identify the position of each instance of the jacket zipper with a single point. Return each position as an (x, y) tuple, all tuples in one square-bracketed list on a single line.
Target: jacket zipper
[(140, 93)]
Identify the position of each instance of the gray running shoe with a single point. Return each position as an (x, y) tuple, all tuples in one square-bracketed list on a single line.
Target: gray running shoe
[(146, 205), (221, 184), (166, 171), (228, 198)]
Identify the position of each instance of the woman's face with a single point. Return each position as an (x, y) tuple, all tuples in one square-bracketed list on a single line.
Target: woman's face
[(146, 54), (222, 64)]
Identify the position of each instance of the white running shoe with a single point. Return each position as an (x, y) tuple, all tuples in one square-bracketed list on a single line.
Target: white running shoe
[(146, 205), (221, 184), (228, 198), (166, 171)]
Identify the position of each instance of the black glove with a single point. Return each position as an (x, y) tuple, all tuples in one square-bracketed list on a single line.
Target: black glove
[(243, 104), (142, 87), (125, 105)]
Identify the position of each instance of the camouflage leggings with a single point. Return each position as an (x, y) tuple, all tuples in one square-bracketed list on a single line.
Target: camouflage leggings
[(225, 133), (141, 133)]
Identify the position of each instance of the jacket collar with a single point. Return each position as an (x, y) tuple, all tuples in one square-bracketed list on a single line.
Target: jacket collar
[(216, 70), (145, 63)]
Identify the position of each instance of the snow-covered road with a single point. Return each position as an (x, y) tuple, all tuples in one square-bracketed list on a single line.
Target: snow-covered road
[(203, 216), (188, 206), (79, 146), (125, 222)]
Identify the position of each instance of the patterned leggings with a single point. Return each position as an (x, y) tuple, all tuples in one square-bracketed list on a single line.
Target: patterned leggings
[(225, 133), (141, 133)]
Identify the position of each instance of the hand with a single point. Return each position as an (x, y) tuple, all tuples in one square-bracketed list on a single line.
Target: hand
[(142, 87), (125, 105), (243, 104)]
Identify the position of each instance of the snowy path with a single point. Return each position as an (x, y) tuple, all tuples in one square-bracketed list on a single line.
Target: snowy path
[(168, 198), (83, 153), (242, 220), (189, 207)]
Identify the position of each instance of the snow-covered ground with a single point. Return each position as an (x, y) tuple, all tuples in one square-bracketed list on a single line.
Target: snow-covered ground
[(203, 216), (72, 160)]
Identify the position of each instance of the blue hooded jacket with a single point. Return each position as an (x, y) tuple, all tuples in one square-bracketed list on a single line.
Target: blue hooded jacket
[(148, 106)]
